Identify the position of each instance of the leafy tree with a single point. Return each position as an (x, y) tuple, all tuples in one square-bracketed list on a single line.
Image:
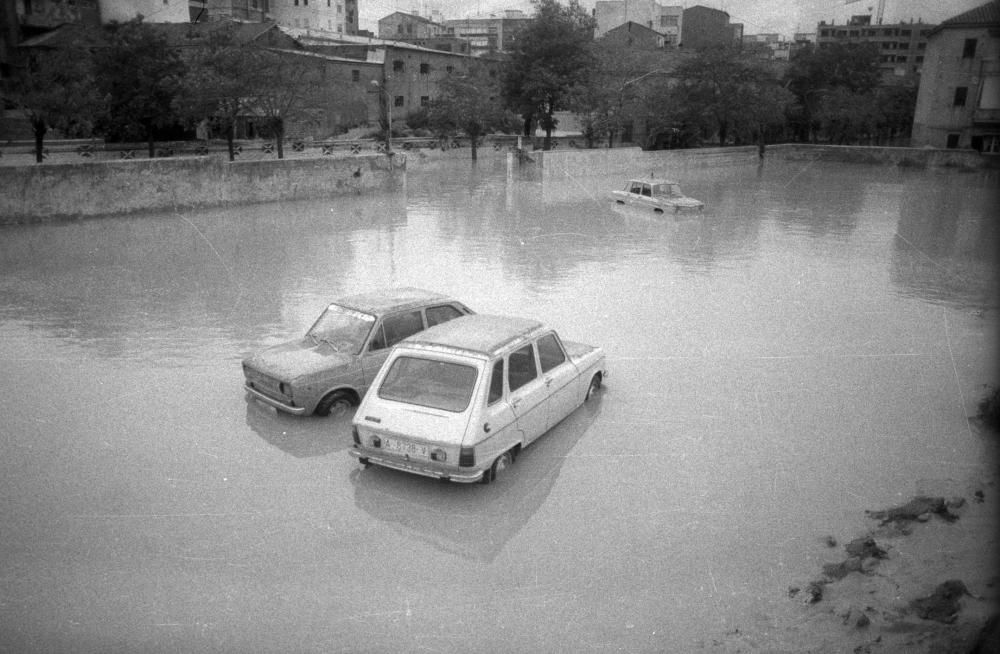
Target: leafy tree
[(896, 106), (733, 95), (468, 103), (217, 84), (286, 89), (56, 91), (609, 98), (816, 72), (139, 74), (551, 57)]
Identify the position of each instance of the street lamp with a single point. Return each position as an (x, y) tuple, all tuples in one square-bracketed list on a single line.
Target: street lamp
[(388, 114)]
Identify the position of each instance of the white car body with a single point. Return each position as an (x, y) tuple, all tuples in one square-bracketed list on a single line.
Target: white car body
[(658, 195), (460, 400)]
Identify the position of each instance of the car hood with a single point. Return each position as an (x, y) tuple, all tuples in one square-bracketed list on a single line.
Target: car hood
[(298, 358)]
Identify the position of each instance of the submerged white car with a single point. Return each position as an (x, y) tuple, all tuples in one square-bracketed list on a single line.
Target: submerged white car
[(657, 194), (460, 400)]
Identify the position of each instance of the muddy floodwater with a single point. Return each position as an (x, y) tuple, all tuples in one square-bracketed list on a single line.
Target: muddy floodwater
[(812, 345)]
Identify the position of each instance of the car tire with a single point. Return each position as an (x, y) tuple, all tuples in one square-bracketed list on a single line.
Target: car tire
[(595, 385), (496, 470), (336, 404)]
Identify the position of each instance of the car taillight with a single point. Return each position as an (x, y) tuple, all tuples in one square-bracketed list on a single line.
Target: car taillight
[(467, 457), (356, 435)]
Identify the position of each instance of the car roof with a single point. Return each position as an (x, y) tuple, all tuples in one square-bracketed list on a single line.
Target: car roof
[(389, 299), (479, 333), (654, 182)]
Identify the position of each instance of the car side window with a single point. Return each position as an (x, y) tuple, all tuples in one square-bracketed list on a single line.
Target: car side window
[(521, 367), (443, 313), (646, 190), (550, 353), (496, 383), (401, 325), (378, 339), (636, 188)]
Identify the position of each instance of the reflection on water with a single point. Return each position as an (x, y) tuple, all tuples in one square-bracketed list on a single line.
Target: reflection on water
[(476, 521), (301, 437)]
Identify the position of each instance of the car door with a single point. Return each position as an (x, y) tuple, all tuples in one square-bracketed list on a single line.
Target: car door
[(560, 377), (389, 331), (527, 392)]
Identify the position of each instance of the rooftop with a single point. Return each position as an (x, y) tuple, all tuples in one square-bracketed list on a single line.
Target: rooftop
[(384, 300), (485, 334)]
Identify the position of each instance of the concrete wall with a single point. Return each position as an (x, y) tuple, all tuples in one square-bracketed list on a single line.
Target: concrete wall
[(56, 191), (634, 162)]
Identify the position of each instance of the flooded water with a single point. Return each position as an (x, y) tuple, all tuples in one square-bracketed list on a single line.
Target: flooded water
[(812, 345)]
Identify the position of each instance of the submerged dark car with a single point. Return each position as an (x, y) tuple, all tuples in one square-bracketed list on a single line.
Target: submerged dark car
[(330, 368)]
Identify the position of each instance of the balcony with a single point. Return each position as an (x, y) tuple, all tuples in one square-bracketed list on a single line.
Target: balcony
[(984, 117)]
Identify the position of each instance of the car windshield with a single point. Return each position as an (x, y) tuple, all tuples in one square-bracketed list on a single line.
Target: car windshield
[(430, 383), (343, 329)]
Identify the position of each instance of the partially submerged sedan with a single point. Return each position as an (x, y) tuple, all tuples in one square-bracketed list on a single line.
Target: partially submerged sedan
[(460, 400), (657, 194), (330, 368)]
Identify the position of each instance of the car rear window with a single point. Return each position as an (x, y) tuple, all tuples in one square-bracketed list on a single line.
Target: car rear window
[(430, 383)]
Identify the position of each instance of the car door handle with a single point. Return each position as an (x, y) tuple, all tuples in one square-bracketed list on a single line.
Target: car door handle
[(548, 381), (516, 402)]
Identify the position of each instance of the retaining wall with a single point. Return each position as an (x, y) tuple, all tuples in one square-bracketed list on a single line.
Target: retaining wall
[(56, 191), (633, 162)]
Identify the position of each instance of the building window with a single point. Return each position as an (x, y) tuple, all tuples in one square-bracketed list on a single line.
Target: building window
[(425, 100), (397, 101), (397, 66), (961, 93), (449, 69), (952, 141), (355, 75), (425, 69), (969, 49)]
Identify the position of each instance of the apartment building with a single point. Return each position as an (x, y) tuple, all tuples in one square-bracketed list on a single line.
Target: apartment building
[(958, 102), (902, 46)]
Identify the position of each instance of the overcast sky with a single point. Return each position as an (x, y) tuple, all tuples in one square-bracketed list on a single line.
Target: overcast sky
[(757, 16)]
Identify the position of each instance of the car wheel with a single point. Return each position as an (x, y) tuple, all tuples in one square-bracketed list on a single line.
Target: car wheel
[(337, 404), (496, 470), (595, 385)]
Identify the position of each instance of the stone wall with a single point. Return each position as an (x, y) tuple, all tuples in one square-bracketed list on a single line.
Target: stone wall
[(59, 191)]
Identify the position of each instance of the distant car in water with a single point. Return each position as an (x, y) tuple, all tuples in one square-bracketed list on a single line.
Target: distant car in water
[(462, 399), (329, 369), (657, 194)]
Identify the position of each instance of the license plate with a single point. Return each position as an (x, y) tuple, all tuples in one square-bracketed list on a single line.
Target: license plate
[(403, 447)]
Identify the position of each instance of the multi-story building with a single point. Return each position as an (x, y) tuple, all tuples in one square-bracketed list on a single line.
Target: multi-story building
[(489, 34), (901, 46), (312, 16), (664, 19), (410, 28), (704, 27), (958, 102), (769, 46)]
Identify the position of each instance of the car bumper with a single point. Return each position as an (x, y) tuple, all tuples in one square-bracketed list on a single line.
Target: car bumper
[(277, 404), (470, 477)]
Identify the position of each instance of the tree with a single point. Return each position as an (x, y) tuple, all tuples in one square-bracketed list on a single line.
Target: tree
[(608, 99), (286, 88), (551, 57), (816, 72), (56, 91), (468, 103), (733, 95), (139, 74), (217, 84)]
